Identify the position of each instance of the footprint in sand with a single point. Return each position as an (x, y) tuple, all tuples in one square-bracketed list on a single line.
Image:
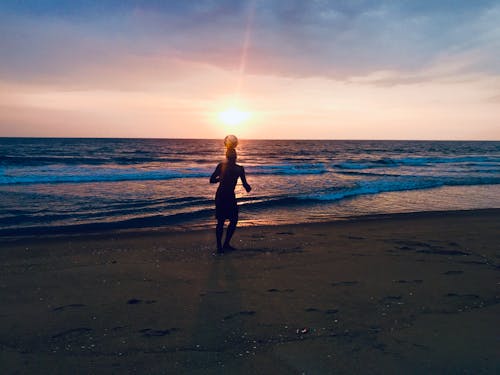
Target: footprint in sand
[(473, 296), (297, 249), (312, 309), (442, 252), (355, 238), (273, 290), (391, 299), (117, 328), (135, 301), (203, 294), (405, 248), (410, 245), (71, 333), (478, 262), (426, 248), (345, 283), (241, 313), (65, 307), (148, 332), (416, 281), (453, 272)]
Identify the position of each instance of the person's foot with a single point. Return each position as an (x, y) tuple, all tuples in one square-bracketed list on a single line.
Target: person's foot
[(228, 247), (218, 252)]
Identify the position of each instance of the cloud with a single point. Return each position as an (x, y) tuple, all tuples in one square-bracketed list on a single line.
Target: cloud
[(131, 44), (138, 48), (494, 99), (339, 43)]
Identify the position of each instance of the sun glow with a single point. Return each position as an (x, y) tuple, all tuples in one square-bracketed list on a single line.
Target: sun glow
[(233, 116)]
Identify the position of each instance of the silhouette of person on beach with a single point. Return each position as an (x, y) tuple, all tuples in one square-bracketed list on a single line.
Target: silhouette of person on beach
[(227, 174)]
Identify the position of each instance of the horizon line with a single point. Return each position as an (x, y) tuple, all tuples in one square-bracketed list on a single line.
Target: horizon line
[(261, 139)]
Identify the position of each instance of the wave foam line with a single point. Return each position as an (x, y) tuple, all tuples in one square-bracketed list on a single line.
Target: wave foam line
[(385, 185), (56, 175), (417, 161)]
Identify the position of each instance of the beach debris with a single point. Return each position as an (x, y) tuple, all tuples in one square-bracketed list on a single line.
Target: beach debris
[(302, 331), (134, 301)]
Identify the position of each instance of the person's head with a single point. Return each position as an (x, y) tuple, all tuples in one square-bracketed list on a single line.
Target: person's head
[(231, 155)]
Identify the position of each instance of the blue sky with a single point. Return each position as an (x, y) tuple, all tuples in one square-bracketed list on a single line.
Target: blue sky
[(192, 51)]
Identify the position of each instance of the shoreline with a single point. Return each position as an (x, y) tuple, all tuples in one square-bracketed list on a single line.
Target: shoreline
[(161, 230)]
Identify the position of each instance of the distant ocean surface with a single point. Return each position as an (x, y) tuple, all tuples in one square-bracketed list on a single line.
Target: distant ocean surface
[(55, 186)]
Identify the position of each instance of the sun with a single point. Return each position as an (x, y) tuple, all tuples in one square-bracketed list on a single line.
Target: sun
[(233, 116)]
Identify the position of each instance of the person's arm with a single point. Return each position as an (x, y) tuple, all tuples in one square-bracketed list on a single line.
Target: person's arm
[(244, 180), (215, 177)]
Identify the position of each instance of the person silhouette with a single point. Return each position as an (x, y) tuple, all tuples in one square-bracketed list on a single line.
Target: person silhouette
[(226, 208)]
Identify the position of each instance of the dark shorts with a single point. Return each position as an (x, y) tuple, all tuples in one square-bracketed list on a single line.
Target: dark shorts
[(226, 207)]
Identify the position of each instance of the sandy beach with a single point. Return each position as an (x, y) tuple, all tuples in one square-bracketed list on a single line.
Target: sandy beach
[(401, 294)]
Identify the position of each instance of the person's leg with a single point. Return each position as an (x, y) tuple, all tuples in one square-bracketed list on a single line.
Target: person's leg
[(230, 231), (218, 233)]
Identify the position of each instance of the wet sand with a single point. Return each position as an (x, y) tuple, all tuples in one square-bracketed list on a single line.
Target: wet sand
[(404, 294)]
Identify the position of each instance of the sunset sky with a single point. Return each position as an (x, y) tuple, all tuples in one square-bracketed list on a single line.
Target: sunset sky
[(312, 69)]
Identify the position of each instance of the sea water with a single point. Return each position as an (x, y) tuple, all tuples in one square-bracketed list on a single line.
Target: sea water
[(51, 186)]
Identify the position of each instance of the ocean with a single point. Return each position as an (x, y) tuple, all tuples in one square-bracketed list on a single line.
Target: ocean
[(64, 186)]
